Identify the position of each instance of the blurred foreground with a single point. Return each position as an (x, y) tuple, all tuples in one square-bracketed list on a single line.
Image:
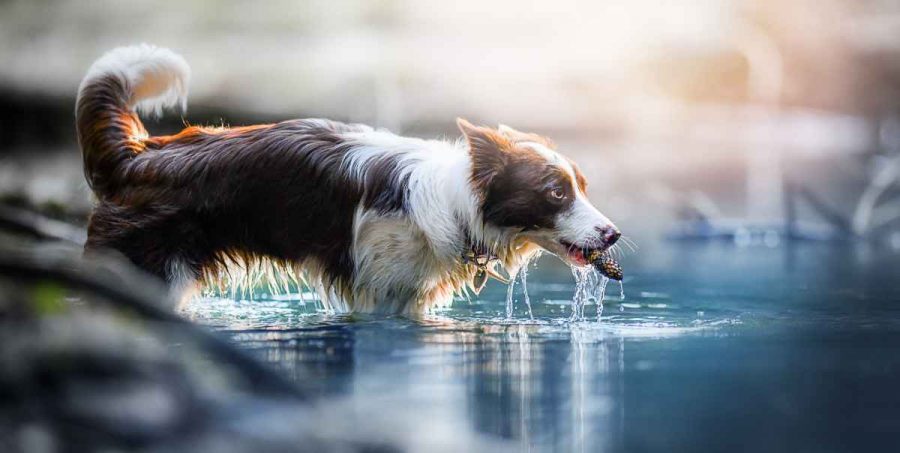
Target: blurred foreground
[(757, 349)]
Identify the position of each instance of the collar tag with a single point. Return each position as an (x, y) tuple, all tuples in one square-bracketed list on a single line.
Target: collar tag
[(485, 264)]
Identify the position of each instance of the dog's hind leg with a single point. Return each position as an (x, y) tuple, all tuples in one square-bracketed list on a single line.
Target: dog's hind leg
[(167, 246), (183, 278)]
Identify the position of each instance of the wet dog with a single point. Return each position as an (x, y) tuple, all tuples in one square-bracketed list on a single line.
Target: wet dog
[(375, 221)]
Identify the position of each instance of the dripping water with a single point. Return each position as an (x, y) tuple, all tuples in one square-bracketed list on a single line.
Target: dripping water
[(583, 277), (601, 293), (524, 273), (509, 295), (521, 274), (590, 285)]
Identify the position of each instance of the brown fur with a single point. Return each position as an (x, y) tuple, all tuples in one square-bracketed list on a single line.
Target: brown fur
[(515, 180)]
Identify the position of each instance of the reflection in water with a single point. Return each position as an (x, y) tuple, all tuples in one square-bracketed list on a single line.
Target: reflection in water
[(542, 382), (542, 385), (546, 393)]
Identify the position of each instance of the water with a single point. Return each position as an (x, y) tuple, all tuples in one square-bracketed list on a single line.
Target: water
[(590, 287), (715, 347), (602, 295), (510, 292), (525, 295)]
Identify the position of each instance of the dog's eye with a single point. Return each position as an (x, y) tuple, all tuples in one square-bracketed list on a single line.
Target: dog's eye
[(558, 193)]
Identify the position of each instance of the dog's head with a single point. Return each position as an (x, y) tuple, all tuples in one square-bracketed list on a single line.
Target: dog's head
[(525, 186)]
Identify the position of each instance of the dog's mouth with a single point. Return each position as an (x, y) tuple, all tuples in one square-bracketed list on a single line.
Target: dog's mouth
[(598, 257), (581, 255)]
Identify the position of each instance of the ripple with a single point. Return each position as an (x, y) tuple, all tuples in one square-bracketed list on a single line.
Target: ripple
[(643, 317)]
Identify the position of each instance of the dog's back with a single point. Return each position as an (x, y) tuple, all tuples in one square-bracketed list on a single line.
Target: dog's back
[(178, 206)]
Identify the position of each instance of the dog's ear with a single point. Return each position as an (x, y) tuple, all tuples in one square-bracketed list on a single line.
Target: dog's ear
[(519, 136), (489, 150)]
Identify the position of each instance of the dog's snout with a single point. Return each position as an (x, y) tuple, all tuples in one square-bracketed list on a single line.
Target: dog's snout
[(613, 237), (609, 234)]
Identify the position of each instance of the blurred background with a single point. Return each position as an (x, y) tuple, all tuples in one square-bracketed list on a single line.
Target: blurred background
[(749, 120), (751, 148)]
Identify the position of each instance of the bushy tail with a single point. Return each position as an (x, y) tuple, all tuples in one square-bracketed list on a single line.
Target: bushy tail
[(141, 78)]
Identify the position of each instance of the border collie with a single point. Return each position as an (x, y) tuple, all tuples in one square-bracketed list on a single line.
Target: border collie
[(375, 221)]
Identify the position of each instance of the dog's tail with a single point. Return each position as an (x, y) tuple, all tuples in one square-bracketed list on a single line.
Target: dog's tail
[(143, 78)]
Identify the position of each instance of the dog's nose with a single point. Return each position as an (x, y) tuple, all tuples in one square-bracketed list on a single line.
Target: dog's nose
[(609, 234)]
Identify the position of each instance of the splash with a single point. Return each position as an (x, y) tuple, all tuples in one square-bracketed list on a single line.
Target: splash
[(590, 285)]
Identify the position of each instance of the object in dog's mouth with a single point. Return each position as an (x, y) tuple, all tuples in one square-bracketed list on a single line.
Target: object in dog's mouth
[(605, 264)]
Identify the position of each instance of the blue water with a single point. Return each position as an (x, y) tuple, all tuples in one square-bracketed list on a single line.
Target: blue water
[(713, 348)]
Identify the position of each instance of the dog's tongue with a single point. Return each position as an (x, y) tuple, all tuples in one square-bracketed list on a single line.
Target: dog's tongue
[(607, 266)]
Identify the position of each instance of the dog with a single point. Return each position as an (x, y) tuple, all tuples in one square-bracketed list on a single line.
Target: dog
[(377, 222)]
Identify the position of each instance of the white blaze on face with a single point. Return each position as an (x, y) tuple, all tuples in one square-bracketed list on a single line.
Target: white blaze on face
[(579, 223)]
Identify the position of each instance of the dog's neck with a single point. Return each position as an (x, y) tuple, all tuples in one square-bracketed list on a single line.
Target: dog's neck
[(444, 205), (476, 239), (476, 250)]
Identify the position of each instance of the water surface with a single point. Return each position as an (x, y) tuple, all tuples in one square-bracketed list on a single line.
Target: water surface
[(713, 347)]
